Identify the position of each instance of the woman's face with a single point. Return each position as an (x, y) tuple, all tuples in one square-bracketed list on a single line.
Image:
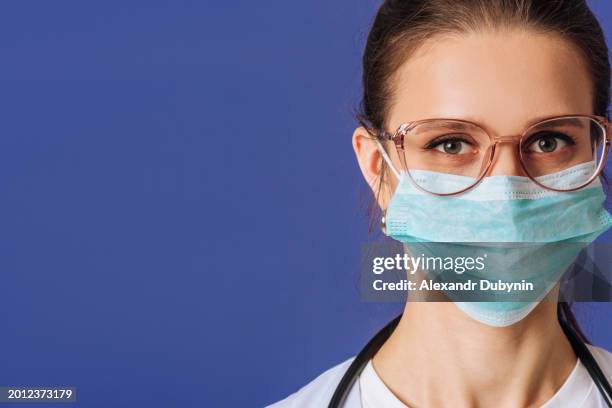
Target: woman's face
[(503, 80)]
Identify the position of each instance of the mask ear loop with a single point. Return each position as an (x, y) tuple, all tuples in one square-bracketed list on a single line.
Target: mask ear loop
[(385, 156)]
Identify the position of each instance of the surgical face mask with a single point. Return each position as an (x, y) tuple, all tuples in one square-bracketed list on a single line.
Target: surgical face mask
[(552, 226)]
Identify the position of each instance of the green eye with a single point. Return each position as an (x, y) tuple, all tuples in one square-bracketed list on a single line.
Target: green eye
[(453, 146), (549, 143)]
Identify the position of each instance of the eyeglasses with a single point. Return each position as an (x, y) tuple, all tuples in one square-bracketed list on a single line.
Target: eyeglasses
[(550, 151)]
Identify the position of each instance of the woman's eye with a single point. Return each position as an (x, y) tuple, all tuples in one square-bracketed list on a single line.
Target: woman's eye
[(547, 144), (453, 146)]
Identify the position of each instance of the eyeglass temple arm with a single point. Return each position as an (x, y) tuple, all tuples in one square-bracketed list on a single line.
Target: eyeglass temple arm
[(383, 135)]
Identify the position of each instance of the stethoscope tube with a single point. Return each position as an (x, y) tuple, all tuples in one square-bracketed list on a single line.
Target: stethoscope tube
[(360, 361), (587, 359)]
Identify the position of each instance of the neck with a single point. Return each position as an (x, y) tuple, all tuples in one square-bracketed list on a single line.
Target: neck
[(438, 356)]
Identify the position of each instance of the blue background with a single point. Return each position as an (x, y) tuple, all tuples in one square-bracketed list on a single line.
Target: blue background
[(182, 213)]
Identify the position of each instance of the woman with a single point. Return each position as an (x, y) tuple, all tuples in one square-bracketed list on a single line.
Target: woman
[(488, 120)]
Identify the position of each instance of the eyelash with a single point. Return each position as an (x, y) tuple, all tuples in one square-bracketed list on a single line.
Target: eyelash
[(445, 138), (533, 138), (457, 138)]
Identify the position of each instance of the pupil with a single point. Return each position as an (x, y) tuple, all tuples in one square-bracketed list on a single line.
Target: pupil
[(547, 144), (452, 147)]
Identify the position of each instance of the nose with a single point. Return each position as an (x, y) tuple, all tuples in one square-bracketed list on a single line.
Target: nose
[(506, 161)]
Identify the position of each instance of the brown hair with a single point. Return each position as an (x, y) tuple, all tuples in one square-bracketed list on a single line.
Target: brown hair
[(401, 26)]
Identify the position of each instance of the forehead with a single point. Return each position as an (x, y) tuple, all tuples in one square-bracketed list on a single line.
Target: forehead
[(504, 80)]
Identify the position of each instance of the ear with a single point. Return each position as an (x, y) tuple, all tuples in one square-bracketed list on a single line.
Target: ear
[(376, 173), (368, 157)]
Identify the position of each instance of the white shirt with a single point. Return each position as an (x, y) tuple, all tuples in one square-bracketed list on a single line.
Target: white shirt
[(578, 391)]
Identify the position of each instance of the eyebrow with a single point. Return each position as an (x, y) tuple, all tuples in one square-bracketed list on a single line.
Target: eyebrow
[(461, 126), (447, 124), (575, 122)]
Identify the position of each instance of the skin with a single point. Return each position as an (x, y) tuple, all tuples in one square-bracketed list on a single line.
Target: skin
[(507, 79)]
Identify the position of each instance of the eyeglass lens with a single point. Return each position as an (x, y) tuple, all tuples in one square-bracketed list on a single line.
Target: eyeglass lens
[(447, 156)]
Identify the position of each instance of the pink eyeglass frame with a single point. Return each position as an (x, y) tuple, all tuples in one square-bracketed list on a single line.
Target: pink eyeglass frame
[(398, 139)]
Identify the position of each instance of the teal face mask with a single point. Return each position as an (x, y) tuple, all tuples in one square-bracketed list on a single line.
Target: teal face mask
[(554, 226)]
